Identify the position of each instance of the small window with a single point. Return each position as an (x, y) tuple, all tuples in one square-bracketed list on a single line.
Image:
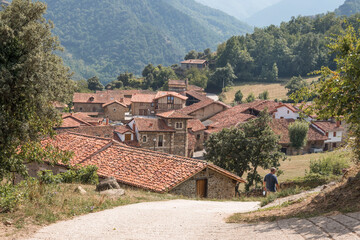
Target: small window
[(81, 109), (327, 134), (127, 137), (107, 135), (179, 125), (170, 100), (91, 99), (198, 137), (334, 134), (288, 112), (144, 139), (152, 104), (161, 141), (114, 109)]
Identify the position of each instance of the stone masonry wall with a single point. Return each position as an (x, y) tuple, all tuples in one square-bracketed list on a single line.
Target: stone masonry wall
[(115, 112), (219, 186), (33, 168), (149, 144), (88, 107)]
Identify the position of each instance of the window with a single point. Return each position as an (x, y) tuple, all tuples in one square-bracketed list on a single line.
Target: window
[(91, 99), (107, 135), (198, 137), (152, 104), (179, 125), (161, 141), (288, 112), (127, 137), (114, 109), (170, 100), (327, 134), (144, 139), (80, 109), (334, 134)]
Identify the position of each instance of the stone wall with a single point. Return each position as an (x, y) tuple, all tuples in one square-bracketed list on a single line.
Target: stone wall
[(149, 144), (33, 168), (88, 107), (208, 111), (115, 112), (180, 139), (137, 109), (218, 186), (200, 139)]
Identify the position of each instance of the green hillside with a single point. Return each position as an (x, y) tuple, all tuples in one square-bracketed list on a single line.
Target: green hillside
[(348, 8), (109, 36)]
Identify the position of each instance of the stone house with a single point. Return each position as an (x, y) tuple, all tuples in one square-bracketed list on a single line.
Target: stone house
[(151, 104), (146, 169), (167, 133), (115, 111), (194, 63), (177, 85), (196, 137), (204, 109)]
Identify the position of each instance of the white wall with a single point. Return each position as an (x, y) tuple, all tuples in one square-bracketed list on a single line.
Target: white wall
[(332, 139), (286, 113)]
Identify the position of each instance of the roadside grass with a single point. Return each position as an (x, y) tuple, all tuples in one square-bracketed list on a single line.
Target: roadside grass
[(49, 203), (276, 90)]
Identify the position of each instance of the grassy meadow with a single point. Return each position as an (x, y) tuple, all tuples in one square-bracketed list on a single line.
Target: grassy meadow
[(276, 90)]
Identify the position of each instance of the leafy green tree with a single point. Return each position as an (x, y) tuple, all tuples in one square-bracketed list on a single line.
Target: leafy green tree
[(32, 76), (338, 91), (94, 84), (246, 148), (162, 75), (222, 77), (264, 95), (250, 98), (298, 132), (114, 85), (274, 73), (192, 55), (82, 86), (147, 70), (295, 84), (125, 78), (197, 77), (238, 96)]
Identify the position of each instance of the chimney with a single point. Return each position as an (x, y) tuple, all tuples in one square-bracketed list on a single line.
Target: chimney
[(338, 123), (186, 83)]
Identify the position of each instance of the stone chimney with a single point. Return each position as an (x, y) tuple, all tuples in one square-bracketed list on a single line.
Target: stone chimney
[(187, 83), (338, 123)]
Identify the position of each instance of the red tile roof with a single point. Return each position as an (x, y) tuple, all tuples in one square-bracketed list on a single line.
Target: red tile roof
[(174, 114), (162, 94), (112, 102), (123, 129), (158, 172), (197, 95), (85, 116), (281, 128), (194, 61), (289, 106), (145, 98), (101, 97), (327, 126), (195, 88), (195, 125), (177, 82), (200, 105), (229, 121), (266, 104), (152, 125), (73, 122)]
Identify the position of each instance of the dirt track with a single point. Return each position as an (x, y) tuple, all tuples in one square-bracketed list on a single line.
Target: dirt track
[(182, 219)]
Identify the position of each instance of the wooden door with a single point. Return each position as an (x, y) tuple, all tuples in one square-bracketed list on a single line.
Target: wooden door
[(201, 188), (127, 137)]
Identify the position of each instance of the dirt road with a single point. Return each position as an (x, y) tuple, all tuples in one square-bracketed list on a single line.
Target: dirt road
[(183, 219)]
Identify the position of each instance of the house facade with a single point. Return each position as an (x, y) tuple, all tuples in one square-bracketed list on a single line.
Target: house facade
[(194, 63), (333, 131)]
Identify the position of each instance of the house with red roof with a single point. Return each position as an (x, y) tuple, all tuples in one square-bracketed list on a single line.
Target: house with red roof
[(142, 168), (196, 136), (333, 131), (194, 63)]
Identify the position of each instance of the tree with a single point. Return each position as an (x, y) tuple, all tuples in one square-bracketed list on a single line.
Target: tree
[(114, 85), (238, 96), (337, 92), (82, 86), (295, 84), (32, 77), (94, 84), (246, 148), (298, 134), (250, 98), (264, 95), (147, 70), (192, 55), (274, 73), (222, 77), (197, 77), (125, 78)]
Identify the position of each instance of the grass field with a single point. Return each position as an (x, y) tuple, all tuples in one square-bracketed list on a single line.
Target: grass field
[(276, 90)]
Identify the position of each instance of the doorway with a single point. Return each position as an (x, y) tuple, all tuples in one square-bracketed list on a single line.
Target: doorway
[(201, 188)]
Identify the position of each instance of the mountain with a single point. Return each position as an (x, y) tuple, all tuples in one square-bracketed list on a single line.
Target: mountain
[(240, 9), (284, 10), (348, 8), (107, 37)]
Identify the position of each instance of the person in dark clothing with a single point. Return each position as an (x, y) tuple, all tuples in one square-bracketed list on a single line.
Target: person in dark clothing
[(270, 181)]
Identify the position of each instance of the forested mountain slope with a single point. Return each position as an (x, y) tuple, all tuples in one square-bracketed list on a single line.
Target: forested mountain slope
[(349, 7), (109, 36), (284, 10)]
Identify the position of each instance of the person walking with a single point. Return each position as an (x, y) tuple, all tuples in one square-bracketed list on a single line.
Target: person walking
[(271, 183)]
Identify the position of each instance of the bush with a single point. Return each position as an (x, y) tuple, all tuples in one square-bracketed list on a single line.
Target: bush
[(84, 175), (9, 197), (312, 180), (330, 165), (283, 193)]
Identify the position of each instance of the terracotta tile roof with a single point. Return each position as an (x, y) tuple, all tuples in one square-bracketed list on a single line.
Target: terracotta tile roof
[(194, 61), (158, 172), (202, 104), (197, 95), (146, 98), (281, 128), (162, 94), (81, 145), (152, 125), (289, 106), (327, 126), (112, 102), (195, 88), (123, 129), (195, 125), (266, 104), (177, 82), (73, 122), (229, 121), (174, 114), (101, 97), (85, 116)]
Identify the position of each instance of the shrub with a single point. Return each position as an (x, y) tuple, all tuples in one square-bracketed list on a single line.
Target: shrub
[(9, 197), (84, 175), (330, 165), (283, 193), (312, 180)]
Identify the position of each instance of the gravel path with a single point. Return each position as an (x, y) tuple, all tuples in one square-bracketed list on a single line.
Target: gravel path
[(183, 219)]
